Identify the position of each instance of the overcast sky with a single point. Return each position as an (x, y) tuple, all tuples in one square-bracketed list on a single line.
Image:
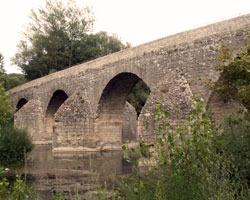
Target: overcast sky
[(134, 21)]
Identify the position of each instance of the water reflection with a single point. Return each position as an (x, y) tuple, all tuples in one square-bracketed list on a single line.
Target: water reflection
[(72, 172)]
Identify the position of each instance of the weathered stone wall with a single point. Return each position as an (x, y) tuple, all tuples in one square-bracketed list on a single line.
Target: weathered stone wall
[(174, 93), (129, 126), (30, 117), (97, 90)]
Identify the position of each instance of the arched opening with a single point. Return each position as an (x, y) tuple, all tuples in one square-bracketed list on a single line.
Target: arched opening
[(138, 96), (21, 103), (221, 107), (112, 116), (55, 102)]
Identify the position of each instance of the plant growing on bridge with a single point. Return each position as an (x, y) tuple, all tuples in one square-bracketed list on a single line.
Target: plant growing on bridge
[(234, 81)]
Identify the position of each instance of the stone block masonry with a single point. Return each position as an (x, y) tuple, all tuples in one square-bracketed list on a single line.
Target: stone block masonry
[(94, 115)]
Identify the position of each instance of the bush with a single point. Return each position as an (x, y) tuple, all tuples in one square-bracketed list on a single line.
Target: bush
[(235, 142), (18, 190), (14, 144), (6, 114), (186, 163)]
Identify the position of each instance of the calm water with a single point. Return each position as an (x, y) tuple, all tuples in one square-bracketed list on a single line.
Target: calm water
[(73, 172)]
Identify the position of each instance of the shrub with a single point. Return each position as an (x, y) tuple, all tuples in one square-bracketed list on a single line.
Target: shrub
[(6, 114), (186, 163), (18, 190), (235, 142), (14, 144)]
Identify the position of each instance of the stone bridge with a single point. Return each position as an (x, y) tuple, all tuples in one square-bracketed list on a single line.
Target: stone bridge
[(84, 108)]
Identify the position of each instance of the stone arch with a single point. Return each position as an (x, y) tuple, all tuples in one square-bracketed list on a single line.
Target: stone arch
[(173, 92), (21, 103), (111, 108), (30, 117), (57, 99), (73, 130)]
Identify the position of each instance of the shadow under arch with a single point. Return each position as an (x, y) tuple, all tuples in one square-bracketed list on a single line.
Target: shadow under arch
[(57, 99), (21, 103), (110, 115), (221, 107)]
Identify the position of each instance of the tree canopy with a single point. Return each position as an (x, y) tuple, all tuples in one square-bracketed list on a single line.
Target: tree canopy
[(1, 64), (59, 37)]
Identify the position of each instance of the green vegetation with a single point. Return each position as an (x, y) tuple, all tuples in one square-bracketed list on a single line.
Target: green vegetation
[(9, 81), (235, 142), (189, 162), (14, 144), (5, 109), (138, 96), (12, 80), (234, 81), (1, 64), (16, 191), (58, 37)]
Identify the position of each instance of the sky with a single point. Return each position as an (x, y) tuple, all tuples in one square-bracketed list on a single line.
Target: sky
[(134, 21)]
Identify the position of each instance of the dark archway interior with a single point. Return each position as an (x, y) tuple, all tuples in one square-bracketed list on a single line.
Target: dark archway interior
[(21, 103), (56, 101), (138, 96), (112, 105)]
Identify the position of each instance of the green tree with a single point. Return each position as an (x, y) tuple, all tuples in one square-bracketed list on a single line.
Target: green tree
[(5, 109), (14, 80), (49, 40), (138, 96), (234, 81), (58, 38), (14, 143), (99, 44), (2, 70), (10, 81)]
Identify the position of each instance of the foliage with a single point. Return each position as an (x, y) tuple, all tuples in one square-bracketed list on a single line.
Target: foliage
[(58, 38), (18, 190), (186, 164), (234, 81), (14, 145), (138, 96), (2, 71), (235, 142), (98, 45), (5, 110), (12, 80)]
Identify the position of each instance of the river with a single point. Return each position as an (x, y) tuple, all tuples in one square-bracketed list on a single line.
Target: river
[(72, 173)]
